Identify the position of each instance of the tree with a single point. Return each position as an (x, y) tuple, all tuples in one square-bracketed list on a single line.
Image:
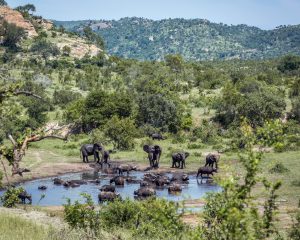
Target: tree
[(93, 37), (232, 213), (3, 3), (289, 63), (256, 103), (66, 50), (12, 34), (160, 112), (175, 62), (45, 48), (121, 132), (26, 10), (16, 152), (296, 109)]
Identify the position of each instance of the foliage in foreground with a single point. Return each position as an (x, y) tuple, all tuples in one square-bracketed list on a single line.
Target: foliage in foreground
[(152, 218), (10, 197)]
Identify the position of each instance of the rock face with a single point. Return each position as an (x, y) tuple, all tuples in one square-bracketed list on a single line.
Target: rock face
[(11, 16)]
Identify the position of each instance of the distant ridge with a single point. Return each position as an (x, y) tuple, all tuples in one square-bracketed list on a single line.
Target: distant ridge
[(194, 39)]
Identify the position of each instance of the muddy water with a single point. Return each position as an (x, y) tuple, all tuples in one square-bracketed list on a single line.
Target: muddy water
[(57, 195)]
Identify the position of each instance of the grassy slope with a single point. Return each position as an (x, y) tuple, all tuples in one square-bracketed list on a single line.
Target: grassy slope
[(15, 228)]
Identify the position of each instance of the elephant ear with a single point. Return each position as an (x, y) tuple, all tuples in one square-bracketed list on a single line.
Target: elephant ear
[(187, 154), (146, 148), (157, 149)]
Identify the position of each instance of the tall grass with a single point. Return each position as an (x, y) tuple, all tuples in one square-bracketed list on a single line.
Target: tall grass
[(16, 228)]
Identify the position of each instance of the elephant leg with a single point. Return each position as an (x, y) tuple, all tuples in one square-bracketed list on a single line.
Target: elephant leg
[(87, 158)]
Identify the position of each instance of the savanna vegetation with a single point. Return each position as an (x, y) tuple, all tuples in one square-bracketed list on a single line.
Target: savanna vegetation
[(194, 39), (248, 110)]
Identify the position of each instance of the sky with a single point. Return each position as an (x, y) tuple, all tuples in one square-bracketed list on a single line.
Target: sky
[(266, 14)]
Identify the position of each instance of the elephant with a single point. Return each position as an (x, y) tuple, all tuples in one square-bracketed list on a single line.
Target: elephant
[(106, 157), (42, 187), (174, 187), (157, 136), (71, 184), (125, 168), (179, 177), (58, 181), (145, 192), (154, 153), (178, 159), (23, 196), (206, 170), (212, 159), (108, 188), (133, 180), (92, 149), (108, 196), (118, 180), (162, 181)]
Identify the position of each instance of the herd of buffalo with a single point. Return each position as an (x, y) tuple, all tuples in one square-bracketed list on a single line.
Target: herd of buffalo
[(150, 180)]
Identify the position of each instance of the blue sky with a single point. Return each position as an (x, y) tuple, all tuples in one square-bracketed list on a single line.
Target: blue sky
[(266, 14)]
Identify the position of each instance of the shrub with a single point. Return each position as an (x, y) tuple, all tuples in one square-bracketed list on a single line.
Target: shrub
[(12, 34), (121, 214), (207, 132), (64, 97), (279, 168), (10, 197), (194, 145), (82, 215), (294, 233), (296, 183), (45, 48)]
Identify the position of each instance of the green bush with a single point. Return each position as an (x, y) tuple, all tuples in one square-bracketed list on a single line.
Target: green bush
[(279, 168), (12, 34), (82, 215), (294, 233), (10, 197), (195, 145)]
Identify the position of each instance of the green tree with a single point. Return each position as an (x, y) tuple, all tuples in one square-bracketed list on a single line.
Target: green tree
[(121, 132), (93, 37), (45, 48), (160, 112), (232, 213), (26, 10), (3, 3), (296, 109), (66, 50), (289, 63), (12, 34)]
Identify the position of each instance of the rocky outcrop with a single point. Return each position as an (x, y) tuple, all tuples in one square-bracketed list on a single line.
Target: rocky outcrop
[(11, 16)]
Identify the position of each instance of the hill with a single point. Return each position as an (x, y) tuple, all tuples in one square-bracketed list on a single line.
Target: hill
[(194, 39)]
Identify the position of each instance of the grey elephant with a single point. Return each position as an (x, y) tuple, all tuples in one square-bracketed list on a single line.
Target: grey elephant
[(211, 159), (92, 149), (178, 159), (206, 170), (23, 196), (108, 196), (157, 136), (145, 192), (154, 153)]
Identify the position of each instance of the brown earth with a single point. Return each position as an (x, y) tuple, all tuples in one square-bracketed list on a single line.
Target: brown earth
[(12, 16)]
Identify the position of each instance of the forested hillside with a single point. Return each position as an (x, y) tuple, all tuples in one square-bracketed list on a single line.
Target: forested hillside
[(194, 39), (56, 85)]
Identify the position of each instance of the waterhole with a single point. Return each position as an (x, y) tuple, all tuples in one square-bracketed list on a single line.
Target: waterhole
[(56, 195)]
